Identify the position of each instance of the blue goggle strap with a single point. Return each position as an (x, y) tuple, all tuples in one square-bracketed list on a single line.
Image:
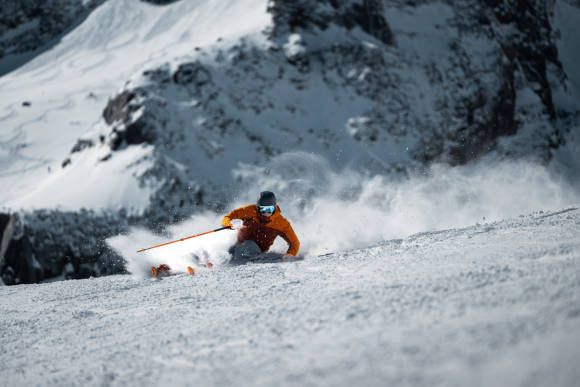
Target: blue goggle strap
[(269, 209)]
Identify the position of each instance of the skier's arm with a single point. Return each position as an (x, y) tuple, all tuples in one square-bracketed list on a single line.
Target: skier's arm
[(227, 222), (238, 213), (290, 237)]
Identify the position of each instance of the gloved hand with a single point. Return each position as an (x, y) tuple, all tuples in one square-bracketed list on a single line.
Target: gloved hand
[(287, 256), (227, 222), (236, 224)]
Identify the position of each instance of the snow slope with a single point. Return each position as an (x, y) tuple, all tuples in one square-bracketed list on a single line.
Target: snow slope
[(491, 304), (68, 87)]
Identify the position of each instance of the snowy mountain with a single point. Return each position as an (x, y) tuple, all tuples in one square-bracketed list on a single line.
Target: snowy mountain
[(426, 153), (445, 86), (491, 304), (132, 113)]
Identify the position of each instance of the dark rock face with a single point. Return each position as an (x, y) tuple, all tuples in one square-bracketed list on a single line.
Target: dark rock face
[(192, 73), (7, 225), (138, 132), (526, 54), (127, 131), (476, 139), (303, 14), (526, 57), (368, 15), (118, 108), (532, 44), (46, 244), (81, 144), (30, 25), (136, 115)]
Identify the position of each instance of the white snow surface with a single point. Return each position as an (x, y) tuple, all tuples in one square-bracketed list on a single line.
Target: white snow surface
[(490, 304)]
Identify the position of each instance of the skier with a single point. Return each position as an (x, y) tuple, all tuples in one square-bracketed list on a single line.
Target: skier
[(258, 226)]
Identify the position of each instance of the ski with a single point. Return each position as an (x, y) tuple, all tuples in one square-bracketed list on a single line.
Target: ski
[(164, 270), (160, 271)]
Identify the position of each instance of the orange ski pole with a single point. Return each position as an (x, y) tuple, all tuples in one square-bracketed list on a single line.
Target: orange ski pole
[(183, 239)]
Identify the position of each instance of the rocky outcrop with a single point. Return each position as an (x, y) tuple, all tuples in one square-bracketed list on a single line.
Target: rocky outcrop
[(471, 124), (117, 109), (294, 15), (132, 124), (47, 244), (527, 63), (7, 225)]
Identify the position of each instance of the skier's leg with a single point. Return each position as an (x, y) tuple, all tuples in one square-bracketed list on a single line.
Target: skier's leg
[(245, 251), (162, 270), (245, 234), (249, 249)]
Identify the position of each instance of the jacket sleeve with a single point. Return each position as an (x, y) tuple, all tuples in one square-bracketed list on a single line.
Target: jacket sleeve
[(239, 213), (290, 237)]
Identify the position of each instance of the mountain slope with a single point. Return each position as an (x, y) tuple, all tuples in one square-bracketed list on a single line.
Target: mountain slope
[(54, 99), (146, 114), (382, 88), (494, 303)]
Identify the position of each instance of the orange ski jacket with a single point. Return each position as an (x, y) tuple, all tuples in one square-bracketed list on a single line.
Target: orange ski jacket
[(263, 230)]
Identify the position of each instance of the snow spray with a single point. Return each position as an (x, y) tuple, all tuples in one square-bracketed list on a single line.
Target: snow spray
[(207, 248), (340, 210)]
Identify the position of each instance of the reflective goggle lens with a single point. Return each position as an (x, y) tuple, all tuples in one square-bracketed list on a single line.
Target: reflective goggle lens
[(269, 209)]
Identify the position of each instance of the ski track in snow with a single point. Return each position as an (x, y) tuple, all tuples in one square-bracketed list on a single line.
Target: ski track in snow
[(492, 304)]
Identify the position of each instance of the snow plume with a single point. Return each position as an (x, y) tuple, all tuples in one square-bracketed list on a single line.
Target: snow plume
[(212, 247), (332, 211)]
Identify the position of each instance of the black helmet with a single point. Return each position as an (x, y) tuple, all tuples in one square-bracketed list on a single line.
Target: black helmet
[(266, 198)]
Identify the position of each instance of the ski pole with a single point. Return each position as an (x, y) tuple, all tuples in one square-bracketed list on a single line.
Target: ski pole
[(182, 239)]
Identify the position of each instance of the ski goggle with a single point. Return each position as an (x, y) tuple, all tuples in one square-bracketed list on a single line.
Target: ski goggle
[(269, 209)]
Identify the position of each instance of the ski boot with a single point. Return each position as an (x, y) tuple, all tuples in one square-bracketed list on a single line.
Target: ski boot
[(162, 270)]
